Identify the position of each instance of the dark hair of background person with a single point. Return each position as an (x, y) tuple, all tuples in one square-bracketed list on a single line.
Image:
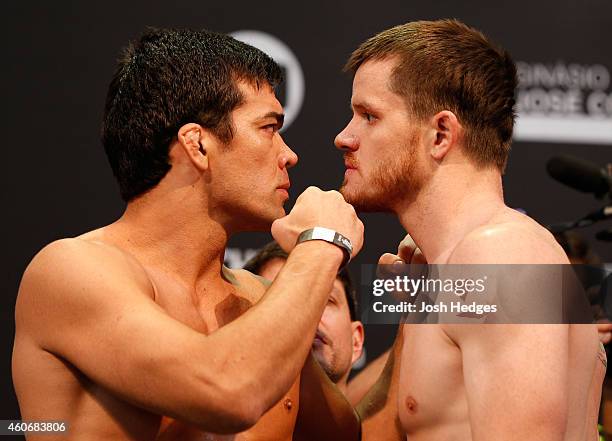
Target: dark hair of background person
[(273, 251), (447, 65), (168, 78), (577, 248)]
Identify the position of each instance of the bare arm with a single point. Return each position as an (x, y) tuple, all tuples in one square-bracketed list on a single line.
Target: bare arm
[(378, 409), (516, 375), (93, 306), (377, 390), (324, 413), (364, 380), (515, 379)]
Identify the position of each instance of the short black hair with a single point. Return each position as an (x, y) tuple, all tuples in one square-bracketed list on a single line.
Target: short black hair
[(272, 250), (168, 78)]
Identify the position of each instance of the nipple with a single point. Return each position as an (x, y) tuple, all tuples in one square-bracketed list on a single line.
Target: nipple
[(411, 405)]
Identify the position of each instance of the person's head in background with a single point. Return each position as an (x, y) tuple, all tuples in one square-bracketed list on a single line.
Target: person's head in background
[(339, 339)]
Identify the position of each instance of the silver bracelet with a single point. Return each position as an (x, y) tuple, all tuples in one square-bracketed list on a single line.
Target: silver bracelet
[(331, 236)]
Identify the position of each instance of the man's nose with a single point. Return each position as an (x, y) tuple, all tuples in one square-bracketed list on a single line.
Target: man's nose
[(288, 158), (346, 141)]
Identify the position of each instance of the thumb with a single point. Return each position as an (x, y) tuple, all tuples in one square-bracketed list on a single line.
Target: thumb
[(389, 259), (279, 234)]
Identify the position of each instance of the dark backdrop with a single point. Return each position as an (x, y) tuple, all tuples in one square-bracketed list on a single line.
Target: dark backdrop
[(58, 58)]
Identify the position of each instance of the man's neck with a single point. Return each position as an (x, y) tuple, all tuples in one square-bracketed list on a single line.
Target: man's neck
[(457, 200), (174, 235)]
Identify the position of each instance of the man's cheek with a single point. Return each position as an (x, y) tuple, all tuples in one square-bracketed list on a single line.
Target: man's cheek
[(328, 314)]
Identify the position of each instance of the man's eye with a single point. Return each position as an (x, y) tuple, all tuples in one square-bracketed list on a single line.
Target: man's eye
[(271, 127), (368, 117)]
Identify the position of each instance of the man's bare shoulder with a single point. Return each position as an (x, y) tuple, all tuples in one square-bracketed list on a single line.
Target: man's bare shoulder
[(510, 238), (75, 271), (74, 253)]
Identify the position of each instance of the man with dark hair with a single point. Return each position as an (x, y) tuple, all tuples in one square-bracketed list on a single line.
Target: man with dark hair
[(338, 342), (433, 111), (139, 319)]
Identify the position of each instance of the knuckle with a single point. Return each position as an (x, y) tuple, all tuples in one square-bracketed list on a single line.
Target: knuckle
[(335, 194)]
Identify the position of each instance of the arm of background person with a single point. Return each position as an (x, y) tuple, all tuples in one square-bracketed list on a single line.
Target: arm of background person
[(94, 306), (365, 379), (377, 395), (378, 408), (325, 413)]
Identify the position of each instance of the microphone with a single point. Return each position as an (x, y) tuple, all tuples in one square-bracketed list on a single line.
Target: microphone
[(598, 215), (601, 214), (579, 174)]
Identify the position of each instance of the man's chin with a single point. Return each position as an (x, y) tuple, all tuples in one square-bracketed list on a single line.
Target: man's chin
[(264, 222), (281, 212), (325, 364), (278, 212), (365, 203), (352, 196)]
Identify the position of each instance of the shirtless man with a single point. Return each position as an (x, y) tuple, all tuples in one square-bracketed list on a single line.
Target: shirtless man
[(139, 319), (338, 343), (429, 139)]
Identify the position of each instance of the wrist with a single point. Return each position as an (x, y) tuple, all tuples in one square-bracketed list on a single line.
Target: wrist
[(321, 250), (322, 234)]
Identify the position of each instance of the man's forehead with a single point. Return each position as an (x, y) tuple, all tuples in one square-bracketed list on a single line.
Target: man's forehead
[(338, 290), (376, 70), (371, 85), (259, 98)]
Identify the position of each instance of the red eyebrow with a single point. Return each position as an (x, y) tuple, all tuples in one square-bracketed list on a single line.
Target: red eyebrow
[(362, 106)]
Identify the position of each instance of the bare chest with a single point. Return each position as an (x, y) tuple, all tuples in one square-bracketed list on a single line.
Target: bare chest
[(204, 308), (276, 425), (205, 311), (431, 398)]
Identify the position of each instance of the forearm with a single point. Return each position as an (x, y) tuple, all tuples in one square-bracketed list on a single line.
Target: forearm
[(324, 411), (364, 380), (265, 348), (378, 408)]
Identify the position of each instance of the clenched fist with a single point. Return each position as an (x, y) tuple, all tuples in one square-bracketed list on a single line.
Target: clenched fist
[(318, 208), (407, 252), (409, 261)]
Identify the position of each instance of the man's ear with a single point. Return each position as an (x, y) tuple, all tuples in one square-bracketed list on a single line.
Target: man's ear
[(193, 139), (358, 336), (447, 130)]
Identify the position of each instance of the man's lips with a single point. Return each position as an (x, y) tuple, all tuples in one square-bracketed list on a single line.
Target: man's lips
[(283, 190), (350, 163)]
